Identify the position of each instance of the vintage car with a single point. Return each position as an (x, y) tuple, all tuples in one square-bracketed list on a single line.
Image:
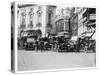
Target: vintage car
[(27, 39)]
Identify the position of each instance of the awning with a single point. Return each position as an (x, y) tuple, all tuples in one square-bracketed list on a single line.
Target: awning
[(32, 32), (92, 23)]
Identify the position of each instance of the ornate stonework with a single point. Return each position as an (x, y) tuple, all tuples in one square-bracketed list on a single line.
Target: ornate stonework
[(39, 14), (31, 15)]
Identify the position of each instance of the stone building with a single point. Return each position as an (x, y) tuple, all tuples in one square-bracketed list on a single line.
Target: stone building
[(86, 22), (62, 21), (50, 19), (32, 17)]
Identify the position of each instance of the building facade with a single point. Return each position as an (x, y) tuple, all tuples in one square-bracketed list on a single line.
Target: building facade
[(50, 19), (32, 17), (74, 23), (62, 21), (86, 22)]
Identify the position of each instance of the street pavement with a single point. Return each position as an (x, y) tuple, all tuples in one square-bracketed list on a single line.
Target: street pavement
[(32, 60)]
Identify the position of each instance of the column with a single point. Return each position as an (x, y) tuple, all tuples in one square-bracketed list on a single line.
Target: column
[(44, 14)]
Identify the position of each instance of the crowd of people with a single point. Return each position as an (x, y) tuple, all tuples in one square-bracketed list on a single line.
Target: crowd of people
[(57, 44)]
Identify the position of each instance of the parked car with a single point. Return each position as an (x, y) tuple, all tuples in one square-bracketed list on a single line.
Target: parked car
[(28, 38)]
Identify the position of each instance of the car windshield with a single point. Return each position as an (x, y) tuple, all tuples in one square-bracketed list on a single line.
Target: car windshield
[(24, 33), (31, 33)]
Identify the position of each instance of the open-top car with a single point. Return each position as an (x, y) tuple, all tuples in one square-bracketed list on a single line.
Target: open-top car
[(28, 38)]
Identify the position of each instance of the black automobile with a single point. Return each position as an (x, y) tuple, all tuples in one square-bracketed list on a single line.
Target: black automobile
[(28, 38)]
